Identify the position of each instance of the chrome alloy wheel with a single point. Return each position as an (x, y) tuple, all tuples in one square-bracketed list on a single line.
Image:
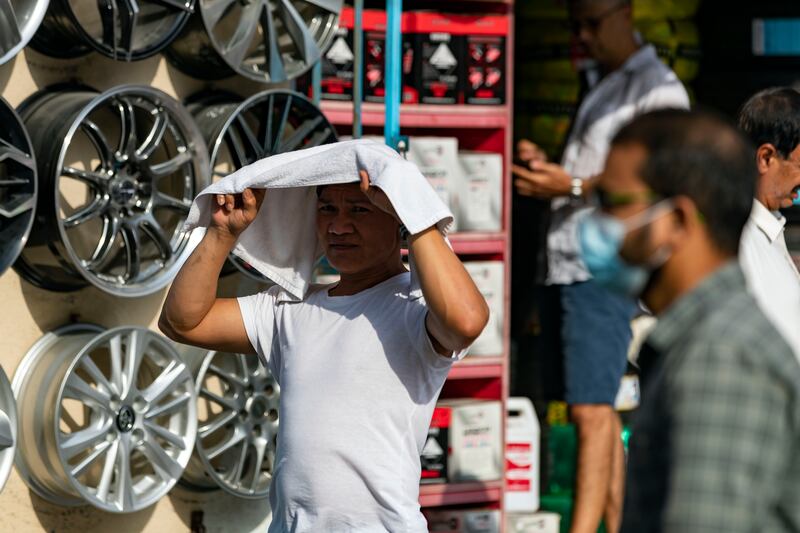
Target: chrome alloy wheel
[(117, 175), (106, 417), (8, 428), (268, 41), (19, 20), (17, 185), (237, 405), (239, 133), (120, 29)]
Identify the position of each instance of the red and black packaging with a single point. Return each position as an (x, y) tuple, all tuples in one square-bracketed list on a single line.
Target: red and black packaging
[(485, 81), (440, 70), (337, 67), (375, 63), (435, 452)]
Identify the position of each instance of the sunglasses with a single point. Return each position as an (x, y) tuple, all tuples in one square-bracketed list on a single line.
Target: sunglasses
[(593, 23)]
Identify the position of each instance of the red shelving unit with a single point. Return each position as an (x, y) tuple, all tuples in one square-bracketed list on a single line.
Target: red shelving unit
[(421, 115), (460, 493)]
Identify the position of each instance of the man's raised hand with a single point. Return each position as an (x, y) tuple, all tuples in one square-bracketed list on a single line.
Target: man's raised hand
[(232, 213)]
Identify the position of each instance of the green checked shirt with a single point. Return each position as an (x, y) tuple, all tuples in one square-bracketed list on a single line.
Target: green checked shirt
[(715, 446)]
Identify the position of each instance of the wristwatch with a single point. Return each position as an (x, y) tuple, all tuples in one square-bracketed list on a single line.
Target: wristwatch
[(576, 190)]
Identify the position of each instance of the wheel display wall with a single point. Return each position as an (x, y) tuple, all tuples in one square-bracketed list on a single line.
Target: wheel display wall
[(107, 417), (112, 218), (8, 428), (240, 131), (120, 29), (17, 185), (268, 41), (237, 405)]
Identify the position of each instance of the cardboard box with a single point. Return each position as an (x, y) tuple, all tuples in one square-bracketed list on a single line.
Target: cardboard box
[(337, 67), (434, 453), (463, 521), (437, 159), (475, 449), (541, 522), (489, 276), (441, 67), (479, 196), (375, 63)]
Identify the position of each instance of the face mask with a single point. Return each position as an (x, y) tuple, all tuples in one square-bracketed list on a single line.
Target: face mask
[(601, 237)]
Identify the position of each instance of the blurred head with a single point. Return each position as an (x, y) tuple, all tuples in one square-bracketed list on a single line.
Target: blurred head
[(771, 119), (676, 193), (604, 27), (357, 236)]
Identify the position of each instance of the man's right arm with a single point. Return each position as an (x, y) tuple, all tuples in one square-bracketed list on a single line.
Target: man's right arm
[(192, 313)]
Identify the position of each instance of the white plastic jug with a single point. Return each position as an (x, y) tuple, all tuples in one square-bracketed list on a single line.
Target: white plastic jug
[(522, 457)]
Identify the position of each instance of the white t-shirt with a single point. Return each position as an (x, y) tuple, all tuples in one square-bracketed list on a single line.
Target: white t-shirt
[(359, 380), (770, 271)]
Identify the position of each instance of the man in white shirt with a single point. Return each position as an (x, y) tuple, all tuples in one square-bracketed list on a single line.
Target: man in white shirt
[(591, 326), (360, 362), (771, 119)]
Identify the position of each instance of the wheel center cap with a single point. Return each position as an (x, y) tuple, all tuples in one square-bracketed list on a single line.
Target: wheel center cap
[(126, 418), (257, 407), (123, 191)]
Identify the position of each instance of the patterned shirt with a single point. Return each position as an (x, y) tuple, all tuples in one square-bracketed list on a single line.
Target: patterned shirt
[(642, 84), (714, 446)]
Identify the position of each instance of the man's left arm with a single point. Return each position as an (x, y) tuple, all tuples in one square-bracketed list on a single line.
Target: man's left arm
[(457, 312), (730, 440)]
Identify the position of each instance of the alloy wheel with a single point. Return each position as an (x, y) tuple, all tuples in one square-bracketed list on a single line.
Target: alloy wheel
[(19, 21), (106, 417), (115, 189)]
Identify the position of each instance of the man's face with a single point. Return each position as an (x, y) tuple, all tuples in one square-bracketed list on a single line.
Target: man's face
[(623, 195), (781, 179), (356, 235), (598, 26)]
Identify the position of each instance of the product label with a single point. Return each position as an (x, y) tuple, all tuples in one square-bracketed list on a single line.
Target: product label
[(479, 201)]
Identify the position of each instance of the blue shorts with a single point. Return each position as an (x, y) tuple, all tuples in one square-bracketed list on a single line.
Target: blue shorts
[(594, 326)]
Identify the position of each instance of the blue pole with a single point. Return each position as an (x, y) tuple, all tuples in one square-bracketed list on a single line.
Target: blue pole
[(316, 82), (358, 68), (394, 59)]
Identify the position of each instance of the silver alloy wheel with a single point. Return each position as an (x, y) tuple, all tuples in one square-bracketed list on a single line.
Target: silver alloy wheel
[(17, 185), (120, 29), (115, 189), (106, 417), (19, 21), (8, 428), (237, 405), (265, 40), (239, 133)]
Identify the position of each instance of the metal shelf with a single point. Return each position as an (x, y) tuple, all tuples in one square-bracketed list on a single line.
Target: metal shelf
[(460, 493), (422, 115)]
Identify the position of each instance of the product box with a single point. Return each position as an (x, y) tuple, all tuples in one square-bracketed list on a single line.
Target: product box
[(479, 195), (375, 63), (541, 522), (434, 453), (463, 521), (475, 449), (337, 67), (489, 278), (437, 159), (485, 80), (459, 58)]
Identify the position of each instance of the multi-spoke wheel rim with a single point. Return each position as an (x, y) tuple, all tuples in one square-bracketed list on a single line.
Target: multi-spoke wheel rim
[(106, 418), (8, 428), (19, 21), (17, 185), (120, 29), (265, 40), (237, 405), (115, 189), (239, 133)]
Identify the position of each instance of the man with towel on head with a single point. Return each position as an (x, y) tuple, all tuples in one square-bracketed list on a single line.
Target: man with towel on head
[(360, 362)]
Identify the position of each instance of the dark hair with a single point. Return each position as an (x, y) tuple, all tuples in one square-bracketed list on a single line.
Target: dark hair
[(704, 157), (773, 116)]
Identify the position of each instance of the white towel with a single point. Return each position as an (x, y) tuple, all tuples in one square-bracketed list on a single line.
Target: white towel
[(281, 243)]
